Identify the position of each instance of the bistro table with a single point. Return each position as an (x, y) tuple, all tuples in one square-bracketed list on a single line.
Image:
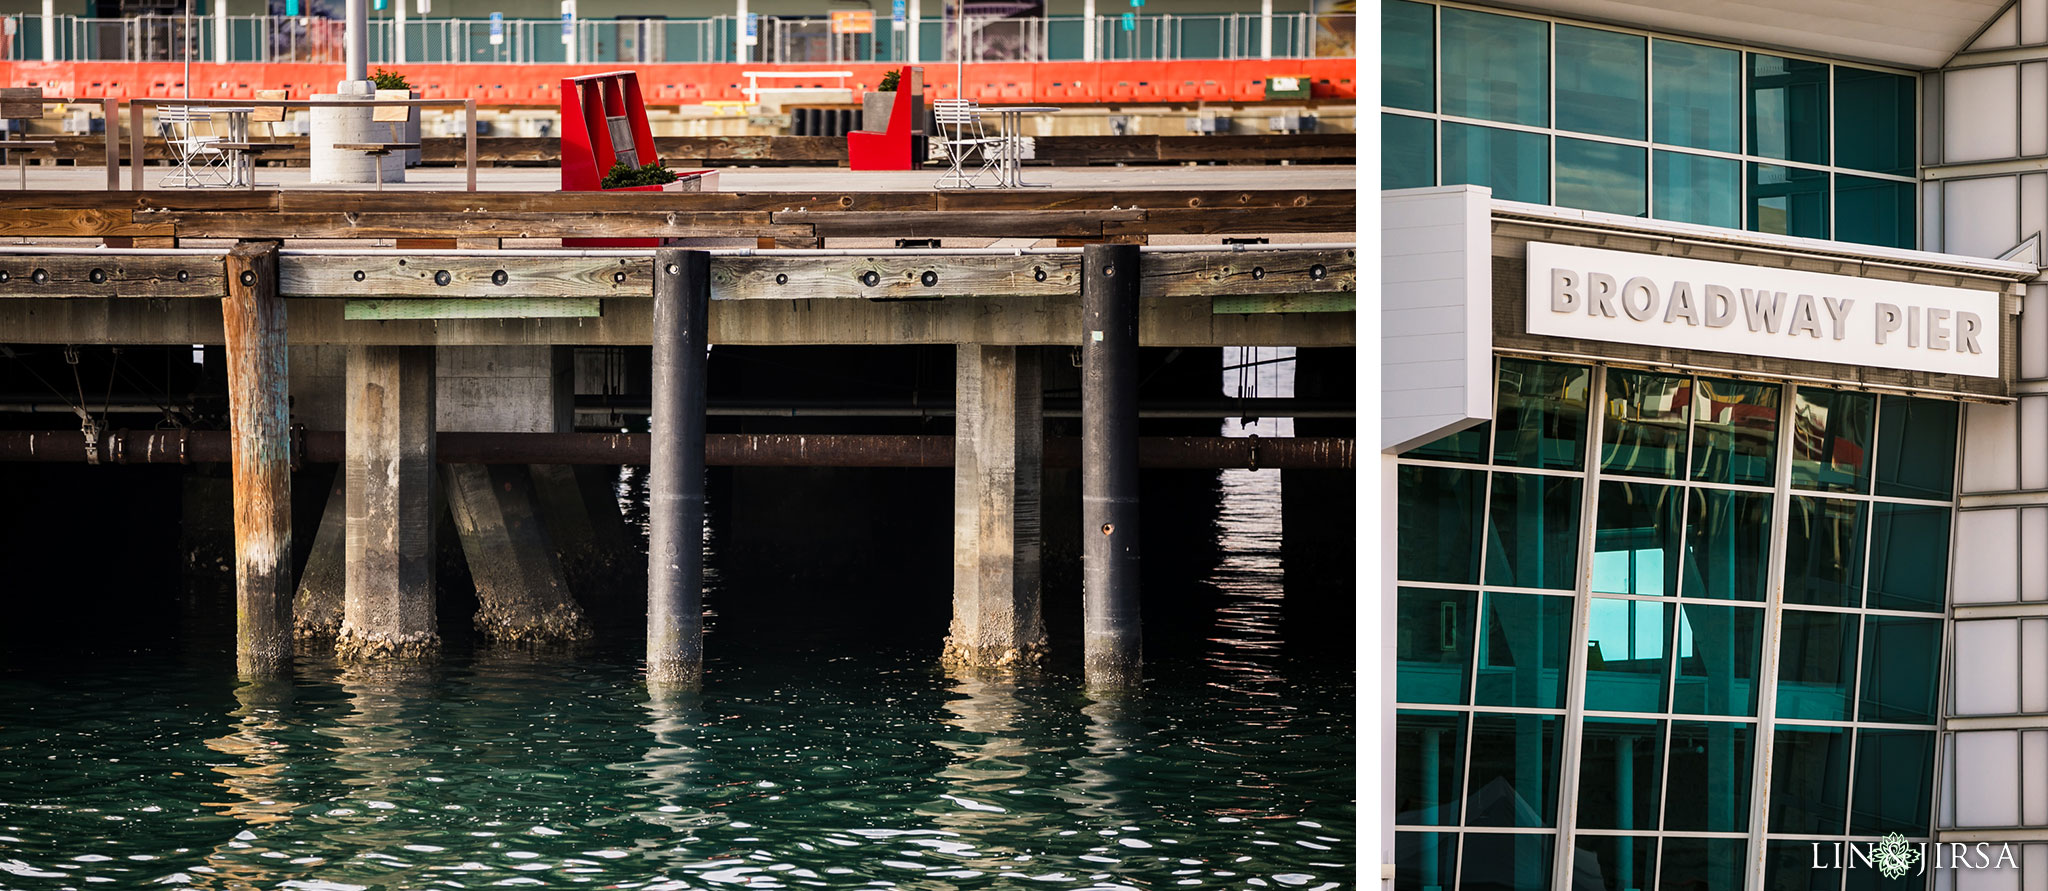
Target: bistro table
[(1011, 122)]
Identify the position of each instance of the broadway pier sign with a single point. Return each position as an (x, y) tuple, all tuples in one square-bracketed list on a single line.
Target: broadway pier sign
[(1654, 300)]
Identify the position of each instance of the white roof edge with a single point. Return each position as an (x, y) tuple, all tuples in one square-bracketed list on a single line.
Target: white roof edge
[(2012, 269)]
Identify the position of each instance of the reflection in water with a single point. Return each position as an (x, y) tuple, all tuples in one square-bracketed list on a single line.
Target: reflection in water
[(1098, 790), (981, 822), (256, 781), (667, 791), (1246, 643)]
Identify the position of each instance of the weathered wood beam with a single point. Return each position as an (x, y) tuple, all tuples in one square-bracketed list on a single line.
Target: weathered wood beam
[(113, 275)]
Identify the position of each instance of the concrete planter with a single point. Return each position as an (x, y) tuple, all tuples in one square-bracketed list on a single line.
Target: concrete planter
[(410, 132), (875, 106)]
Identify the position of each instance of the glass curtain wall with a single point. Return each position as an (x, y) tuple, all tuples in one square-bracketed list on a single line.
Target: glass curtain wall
[(1590, 589), (1551, 112)]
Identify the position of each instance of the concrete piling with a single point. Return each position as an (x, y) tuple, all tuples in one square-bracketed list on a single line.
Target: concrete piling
[(316, 611), (253, 319), (520, 592), (675, 484), (389, 467), (998, 447), (1111, 630)]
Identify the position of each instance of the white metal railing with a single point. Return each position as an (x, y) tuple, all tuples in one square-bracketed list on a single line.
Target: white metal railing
[(781, 39)]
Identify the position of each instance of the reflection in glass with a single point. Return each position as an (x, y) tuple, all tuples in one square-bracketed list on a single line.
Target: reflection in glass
[(1644, 432), (1874, 121), (1908, 557), (1719, 649), (1600, 82), (1439, 520), (1735, 432), (1603, 177), (1809, 780), (1515, 164), (1408, 56), (1496, 67), (1901, 664), (1613, 863), (1541, 415), (1874, 211), (1698, 96), (1408, 151), (1831, 432), (1788, 201), (1532, 535), (1636, 539), (1435, 645), (1916, 448), (1702, 863), (1466, 446), (1824, 551), (1513, 778), (1816, 664), (1524, 648), (1696, 189), (1788, 866), (1706, 788), (1429, 754), (1619, 767), (1728, 544), (1627, 663), (1424, 861), (1894, 782), (1506, 862), (1788, 109)]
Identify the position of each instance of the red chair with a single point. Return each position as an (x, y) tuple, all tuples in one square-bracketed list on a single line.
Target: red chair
[(894, 148)]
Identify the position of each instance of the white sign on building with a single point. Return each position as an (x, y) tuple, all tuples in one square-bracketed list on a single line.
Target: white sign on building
[(1654, 300)]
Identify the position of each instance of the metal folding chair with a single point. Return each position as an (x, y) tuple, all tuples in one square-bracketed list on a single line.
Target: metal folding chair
[(961, 135), (201, 161)]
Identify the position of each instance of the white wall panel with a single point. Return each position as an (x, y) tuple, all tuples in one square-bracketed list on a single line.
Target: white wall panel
[(2034, 777), (2007, 879), (2034, 108), (1990, 454), (2033, 553), (1979, 113), (1987, 660), (1436, 280), (2034, 867), (2034, 439), (1930, 215), (1987, 547), (2034, 188), (2034, 669), (2034, 331), (2004, 31), (1986, 795), (2033, 21), (1980, 217)]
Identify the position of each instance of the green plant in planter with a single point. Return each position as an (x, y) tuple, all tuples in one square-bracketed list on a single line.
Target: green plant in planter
[(623, 174), (890, 80), (389, 80)]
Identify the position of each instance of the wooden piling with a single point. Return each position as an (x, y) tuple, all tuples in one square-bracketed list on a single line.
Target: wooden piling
[(1111, 630), (675, 482), (253, 319)]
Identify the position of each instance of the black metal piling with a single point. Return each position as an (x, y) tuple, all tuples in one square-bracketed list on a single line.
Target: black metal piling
[(675, 482), (1112, 633)]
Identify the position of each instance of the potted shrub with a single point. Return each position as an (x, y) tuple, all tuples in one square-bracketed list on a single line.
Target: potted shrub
[(625, 177), (409, 131), (876, 104)]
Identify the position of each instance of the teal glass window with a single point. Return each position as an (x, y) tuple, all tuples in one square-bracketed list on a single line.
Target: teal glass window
[(1602, 176), (1434, 649), (1698, 98), (1719, 649), (1508, 861), (1425, 861), (1620, 765), (1541, 415), (1439, 524), (1429, 759), (1703, 863), (1495, 68), (1407, 152), (1706, 786), (1408, 56), (1874, 121), (1810, 780), (1600, 83), (1788, 866), (1788, 201), (1622, 862), (1728, 544), (1515, 164), (1645, 431), (1512, 780), (1636, 545), (1874, 211), (1908, 557), (1696, 189), (1532, 536), (1467, 446), (1824, 551), (1816, 665), (1916, 448), (1735, 432), (1831, 445), (1894, 782), (1788, 109), (1524, 649), (1901, 664), (1628, 656)]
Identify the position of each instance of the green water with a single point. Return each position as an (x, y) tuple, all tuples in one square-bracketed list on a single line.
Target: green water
[(804, 766)]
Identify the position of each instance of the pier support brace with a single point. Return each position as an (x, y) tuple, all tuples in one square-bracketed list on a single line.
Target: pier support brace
[(675, 482), (389, 467), (253, 320), (1111, 631), (316, 611), (998, 446), (520, 593)]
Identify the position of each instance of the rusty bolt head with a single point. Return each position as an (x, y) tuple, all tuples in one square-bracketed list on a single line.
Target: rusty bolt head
[(1038, 273), (870, 278), (1258, 272), (96, 276), (500, 277), (442, 278), (1108, 528), (39, 276), (1317, 272), (183, 276), (1109, 270), (781, 279), (5, 276), (929, 278), (359, 275), (248, 278), (618, 278), (674, 269)]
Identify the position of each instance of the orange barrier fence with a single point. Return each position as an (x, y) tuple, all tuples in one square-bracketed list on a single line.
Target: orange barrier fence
[(664, 84)]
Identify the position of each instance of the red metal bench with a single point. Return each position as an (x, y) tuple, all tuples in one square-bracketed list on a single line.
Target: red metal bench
[(894, 148)]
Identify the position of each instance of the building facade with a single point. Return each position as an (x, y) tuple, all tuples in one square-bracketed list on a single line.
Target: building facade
[(1716, 397)]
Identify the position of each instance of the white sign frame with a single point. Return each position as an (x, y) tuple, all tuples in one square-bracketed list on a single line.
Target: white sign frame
[(1681, 303)]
